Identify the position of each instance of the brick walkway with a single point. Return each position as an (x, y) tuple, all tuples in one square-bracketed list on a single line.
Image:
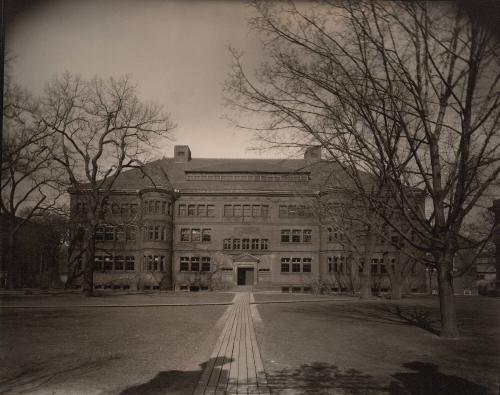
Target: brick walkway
[(235, 366)]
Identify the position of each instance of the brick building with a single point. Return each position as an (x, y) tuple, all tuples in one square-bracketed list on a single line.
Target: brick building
[(193, 223)]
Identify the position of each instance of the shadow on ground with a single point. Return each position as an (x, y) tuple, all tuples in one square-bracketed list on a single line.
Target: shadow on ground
[(176, 382), (426, 379), (388, 314), (323, 378)]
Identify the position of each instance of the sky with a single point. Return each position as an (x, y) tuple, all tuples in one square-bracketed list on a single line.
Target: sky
[(176, 51)]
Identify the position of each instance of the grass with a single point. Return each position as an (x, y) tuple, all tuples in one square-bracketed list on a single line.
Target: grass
[(379, 347), (332, 347), (107, 350)]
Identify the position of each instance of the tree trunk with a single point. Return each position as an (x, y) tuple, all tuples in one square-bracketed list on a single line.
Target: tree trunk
[(449, 326), (365, 291), (88, 270), (12, 279), (396, 287)]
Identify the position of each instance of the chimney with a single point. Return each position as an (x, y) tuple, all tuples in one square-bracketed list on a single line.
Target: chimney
[(312, 154), (182, 153)]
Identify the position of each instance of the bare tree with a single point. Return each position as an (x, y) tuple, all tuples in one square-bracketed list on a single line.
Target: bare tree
[(100, 128), (407, 92), (30, 183)]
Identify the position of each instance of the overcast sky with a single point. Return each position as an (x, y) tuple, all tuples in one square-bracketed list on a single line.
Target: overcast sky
[(175, 50)]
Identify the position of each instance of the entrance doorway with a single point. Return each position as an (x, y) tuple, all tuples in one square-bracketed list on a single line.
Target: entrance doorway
[(245, 276)]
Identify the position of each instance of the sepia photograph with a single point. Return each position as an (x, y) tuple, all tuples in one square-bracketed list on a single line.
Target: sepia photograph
[(276, 197)]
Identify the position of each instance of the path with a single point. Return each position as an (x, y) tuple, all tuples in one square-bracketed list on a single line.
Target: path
[(235, 366)]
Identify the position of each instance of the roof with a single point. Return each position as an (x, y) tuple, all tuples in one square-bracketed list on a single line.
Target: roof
[(171, 174)]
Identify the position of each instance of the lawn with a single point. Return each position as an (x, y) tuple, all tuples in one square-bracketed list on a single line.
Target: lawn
[(378, 347), (126, 350)]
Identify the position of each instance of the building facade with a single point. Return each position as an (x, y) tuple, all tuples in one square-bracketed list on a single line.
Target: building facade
[(195, 224)]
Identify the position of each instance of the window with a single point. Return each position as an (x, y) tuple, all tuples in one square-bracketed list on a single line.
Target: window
[(98, 263), (255, 244), (195, 263), (195, 235), (227, 244), (151, 233), (151, 206), (228, 210), (265, 211), (164, 207), (374, 266), (307, 235), (339, 235), (245, 245), (293, 210), (205, 264), (306, 265), (109, 233), (237, 210), (296, 265), (202, 210), (130, 233), (330, 235), (184, 264), (157, 232), (115, 208), (99, 233), (296, 235), (210, 210), (182, 210), (256, 212), (120, 233), (119, 262), (383, 268), (148, 263), (185, 234), (124, 209), (130, 263), (285, 265), (247, 210), (191, 210), (264, 244), (108, 263), (285, 235), (206, 235), (236, 244), (336, 264), (133, 208)]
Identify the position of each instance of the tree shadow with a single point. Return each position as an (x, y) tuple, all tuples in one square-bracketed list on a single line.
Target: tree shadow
[(414, 316), (322, 378), (179, 382), (380, 313), (428, 380)]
